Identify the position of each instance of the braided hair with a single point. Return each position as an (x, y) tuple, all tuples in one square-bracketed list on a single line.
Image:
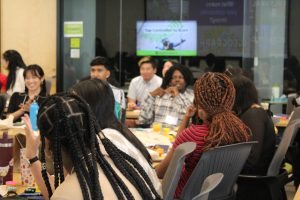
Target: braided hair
[(215, 94), (66, 120)]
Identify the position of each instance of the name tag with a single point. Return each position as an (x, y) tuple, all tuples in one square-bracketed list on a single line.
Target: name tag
[(171, 120)]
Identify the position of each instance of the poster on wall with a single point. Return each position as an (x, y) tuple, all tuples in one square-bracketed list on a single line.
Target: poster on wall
[(73, 29)]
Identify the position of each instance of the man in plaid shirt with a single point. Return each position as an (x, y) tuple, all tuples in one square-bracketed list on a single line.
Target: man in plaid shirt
[(168, 103)]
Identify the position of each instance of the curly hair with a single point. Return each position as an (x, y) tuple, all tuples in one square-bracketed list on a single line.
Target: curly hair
[(215, 94)]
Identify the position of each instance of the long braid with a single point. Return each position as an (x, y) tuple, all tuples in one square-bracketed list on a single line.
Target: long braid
[(91, 173), (81, 141), (44, 170), (128, 172), (215, 93), (113, 178), (143, 189)]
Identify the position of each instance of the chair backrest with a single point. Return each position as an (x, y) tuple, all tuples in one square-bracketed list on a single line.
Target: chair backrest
[(172, 175), (228, 160), (209, 184), (295, 115), (290, 106), (287, 138)]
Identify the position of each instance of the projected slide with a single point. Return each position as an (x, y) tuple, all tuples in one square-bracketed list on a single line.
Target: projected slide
[(166, 38)]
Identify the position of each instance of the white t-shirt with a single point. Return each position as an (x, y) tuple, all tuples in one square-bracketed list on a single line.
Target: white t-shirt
[(139, 89), (70, 188), (19, 84), (119, 96)]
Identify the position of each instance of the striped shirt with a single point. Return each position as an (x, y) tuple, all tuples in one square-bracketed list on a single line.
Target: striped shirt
[(139, 88), (194, 133)]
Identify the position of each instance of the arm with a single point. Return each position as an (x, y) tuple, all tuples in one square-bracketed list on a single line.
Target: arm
[(163, 166), (186, 119), (131, 95), (32, 147)]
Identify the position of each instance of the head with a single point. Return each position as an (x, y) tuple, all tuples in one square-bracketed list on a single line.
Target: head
[(210, 60), (100, 97), (11, 60), (100, 68), (214, 99), (246, 94), (178, 76), (69, 130), (34, 79), (147, 69), (167, 65)]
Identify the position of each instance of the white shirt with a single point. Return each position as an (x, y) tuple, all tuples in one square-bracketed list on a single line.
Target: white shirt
[(119, 96), (19, 83), (139, 88)]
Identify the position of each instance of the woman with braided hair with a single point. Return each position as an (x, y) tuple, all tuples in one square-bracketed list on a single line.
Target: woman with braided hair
[(99, 95), (87, 165), (214, 99)]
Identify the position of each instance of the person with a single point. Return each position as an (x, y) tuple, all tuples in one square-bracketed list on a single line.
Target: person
[(167, 104), (13, 62), (214, 99), (3, 81), (140, 86), (247, 108), (167, 65), (35, 89), (100, 69), (99, 96), (87, 165), (210, 60)]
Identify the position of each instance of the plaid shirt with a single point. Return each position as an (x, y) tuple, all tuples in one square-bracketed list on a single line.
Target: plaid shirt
[(155, 109)]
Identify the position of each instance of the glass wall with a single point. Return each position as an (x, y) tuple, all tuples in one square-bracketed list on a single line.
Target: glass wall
[(248, 34), (78, 36)]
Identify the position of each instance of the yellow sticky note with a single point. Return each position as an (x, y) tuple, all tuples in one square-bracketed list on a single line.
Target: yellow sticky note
[(75, 43)]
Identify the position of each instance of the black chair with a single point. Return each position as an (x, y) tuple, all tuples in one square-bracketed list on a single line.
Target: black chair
[(228, 160), (276, 178)]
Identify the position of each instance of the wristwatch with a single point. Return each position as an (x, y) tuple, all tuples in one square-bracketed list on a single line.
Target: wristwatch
[(32, 160)]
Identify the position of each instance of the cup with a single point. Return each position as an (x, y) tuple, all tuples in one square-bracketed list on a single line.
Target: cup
[(166, 130), (27, 178), (156, 127)]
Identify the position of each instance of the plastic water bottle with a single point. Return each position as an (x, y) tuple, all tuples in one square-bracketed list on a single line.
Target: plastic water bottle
[(33, 111)]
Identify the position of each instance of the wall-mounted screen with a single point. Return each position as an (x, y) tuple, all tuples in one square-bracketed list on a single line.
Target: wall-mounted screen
[(166, 38)]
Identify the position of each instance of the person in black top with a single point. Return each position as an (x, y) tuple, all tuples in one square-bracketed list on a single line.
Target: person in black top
[(35, 89), (261, 125)]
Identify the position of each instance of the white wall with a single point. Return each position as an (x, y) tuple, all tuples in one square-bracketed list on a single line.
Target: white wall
[(30, 28)]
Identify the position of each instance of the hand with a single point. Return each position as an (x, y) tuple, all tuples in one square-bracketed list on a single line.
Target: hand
[(157, 92), (173, 91), (131, 105), (190, 112), (32, 142), (25, 107)]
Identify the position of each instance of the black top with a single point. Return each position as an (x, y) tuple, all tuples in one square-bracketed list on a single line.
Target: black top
[(19, 98), (263, 131)]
